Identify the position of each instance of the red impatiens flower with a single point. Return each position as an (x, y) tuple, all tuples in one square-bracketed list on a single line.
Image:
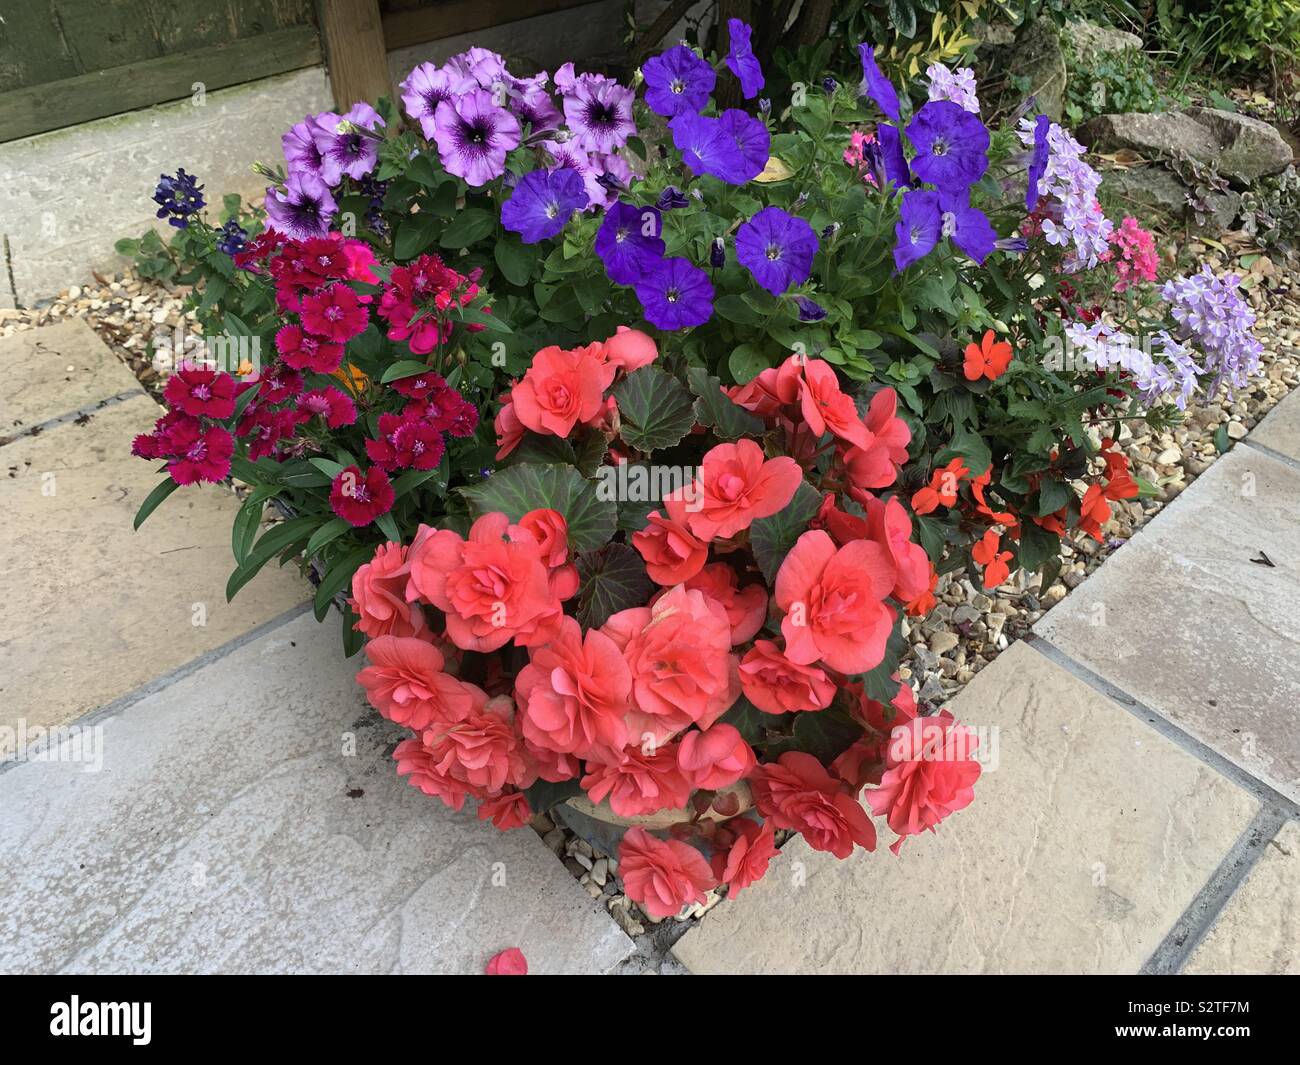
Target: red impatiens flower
[(1119, 482), (359, 498), (986, 554), (1094, 511), (204, 393), (942, 488), (988, 358), (336, 313), (977, 486)]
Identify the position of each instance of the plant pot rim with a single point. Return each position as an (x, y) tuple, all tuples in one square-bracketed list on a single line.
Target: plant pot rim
[(662, 819)]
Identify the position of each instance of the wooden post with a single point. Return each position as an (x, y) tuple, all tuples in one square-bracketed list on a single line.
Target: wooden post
[(353, 38)]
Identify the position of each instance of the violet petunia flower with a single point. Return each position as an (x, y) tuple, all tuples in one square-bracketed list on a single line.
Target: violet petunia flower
[(966, 226), (487, 68), (671, 199), (427, 86), (892, 159), (299, 146), (808, 310), (630, 242), (343, 152), (1037, 161), (951, 146), (677, 81), (733, 148), (532, 103), (599, 112), (876, 85), (675, 294), (920, 225), (741, 60), (473, 136), (777, 248), (542, 203), (302, 208)]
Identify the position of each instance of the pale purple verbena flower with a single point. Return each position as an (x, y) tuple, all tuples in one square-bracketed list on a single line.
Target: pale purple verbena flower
[(955, 85)]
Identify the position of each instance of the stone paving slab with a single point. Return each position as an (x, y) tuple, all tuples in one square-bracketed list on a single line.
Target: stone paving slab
[(1082, 849), (1280, 428), (1182, 619), (230, 830), (51, 371), (1258, 931), (93, 610)]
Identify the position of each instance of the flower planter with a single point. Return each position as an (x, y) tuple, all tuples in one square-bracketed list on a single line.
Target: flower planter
[(600, 826)]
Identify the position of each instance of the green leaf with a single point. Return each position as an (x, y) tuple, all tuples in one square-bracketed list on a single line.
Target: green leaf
[(715, 409), (516, 490), (746, 362), (161, 491), (412, 479), (971, 447), (491, 322), (545, 795), (405, 368), (1037, 547), (825, 734), (337, 577), (327, 533), (353, 638), (933, 534), (516, 260), (1052, 496), (611, 579), (244, 529), (655, 410), (468, 227), (749, 720), (414, 234), (328, 467), (879, 683), (387, 525), (771, 538), (735, 309), (273, 541)]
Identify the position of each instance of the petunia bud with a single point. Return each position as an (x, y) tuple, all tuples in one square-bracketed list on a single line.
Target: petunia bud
[(718, 253)]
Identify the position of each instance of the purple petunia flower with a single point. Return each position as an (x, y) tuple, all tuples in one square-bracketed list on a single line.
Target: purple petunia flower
[(892, 159), (1037, 161), (427, 86), (671, 199), (599, 112), (343, 152), (302, 208), (487, 68), (299, 145), (542, 203), (718, 253), (733, 148), (920, 225), (967, 226), (876, 85), (951, 145), (808, 310), (777, 248), (741, 60), (532, 103), (675, 294), (676, 81), (630, 242), (473, 136)]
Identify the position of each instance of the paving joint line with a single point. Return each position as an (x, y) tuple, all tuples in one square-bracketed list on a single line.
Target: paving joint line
[(72, 415), (1196, 921), (1267, 795), (1279, 456), (158, 684)]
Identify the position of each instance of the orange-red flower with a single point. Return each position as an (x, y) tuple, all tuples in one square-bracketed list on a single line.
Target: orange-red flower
[(1094, 511), (988, 358), (977, 486), (986, 554), (1119, 483), (942, 488)]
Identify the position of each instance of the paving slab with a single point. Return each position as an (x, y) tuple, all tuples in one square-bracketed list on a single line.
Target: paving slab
[(93, 610), (1280, 429), (248, 818), (1182, 619), (56, 369), (1081, 850), (1258, 931)]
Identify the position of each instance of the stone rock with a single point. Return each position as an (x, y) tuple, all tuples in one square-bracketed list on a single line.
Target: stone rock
[(1089, 39), (1240, 148), (942, 642), (1039, 58)]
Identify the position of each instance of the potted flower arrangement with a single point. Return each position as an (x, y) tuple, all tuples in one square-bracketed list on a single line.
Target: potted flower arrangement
[(617, 418)]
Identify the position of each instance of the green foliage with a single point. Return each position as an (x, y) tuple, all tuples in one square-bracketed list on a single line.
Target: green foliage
[(1111, 82)]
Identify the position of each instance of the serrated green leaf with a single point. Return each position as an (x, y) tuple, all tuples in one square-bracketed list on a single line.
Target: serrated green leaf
[(714, 408), (771, 538), (654, 409), (611, 579), (516, 490)]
